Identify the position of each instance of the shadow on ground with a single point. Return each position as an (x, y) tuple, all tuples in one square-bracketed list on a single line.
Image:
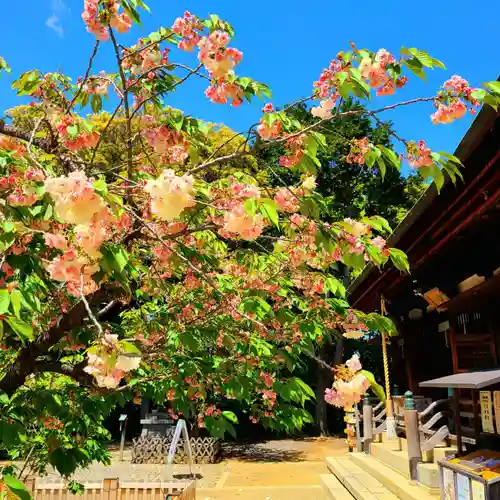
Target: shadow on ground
[(260, 452)]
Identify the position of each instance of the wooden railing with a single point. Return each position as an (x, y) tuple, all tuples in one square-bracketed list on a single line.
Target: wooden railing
[(113, 489), (423, 429)]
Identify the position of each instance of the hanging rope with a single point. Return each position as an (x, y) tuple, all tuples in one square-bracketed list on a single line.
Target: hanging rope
[(390, 421)]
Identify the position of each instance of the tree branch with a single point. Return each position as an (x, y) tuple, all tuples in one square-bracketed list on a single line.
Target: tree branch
[(130, 157), (26, 362)]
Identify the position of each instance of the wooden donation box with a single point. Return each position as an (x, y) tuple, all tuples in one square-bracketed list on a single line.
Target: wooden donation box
[(475, 476)]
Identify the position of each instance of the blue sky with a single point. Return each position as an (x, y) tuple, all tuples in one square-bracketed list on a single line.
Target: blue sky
[(286, 44)]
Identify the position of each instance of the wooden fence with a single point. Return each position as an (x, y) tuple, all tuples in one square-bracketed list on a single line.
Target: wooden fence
[(112, 489)]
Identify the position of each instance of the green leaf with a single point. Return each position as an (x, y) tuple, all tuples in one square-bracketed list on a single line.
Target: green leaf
[(374, 386), (437, 176), (4, 300), (230, 429), (251, 205), (176, 121), (390, 155), (15, 300), (155, 36), (399, 259), (382, 167), (6, 240), (372, 156), (495, 86), (229, 415), (22, 329), (305, 387), (12, 434), (72, 130), (96, 103), (63, 460), (115, 258), (101, 187), (335, 286), (378, 223), (268, 209), (16, 487)]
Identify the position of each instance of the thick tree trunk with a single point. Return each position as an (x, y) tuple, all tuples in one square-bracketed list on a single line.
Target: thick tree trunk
[(324, 380)]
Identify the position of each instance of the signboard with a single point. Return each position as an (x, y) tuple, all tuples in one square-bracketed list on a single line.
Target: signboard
[(486, 412), (478, 491), (448, 485), (181, 427), (463, 487), (496, 405)]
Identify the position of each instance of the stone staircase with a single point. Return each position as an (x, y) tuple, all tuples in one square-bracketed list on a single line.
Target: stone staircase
[(383, 475)]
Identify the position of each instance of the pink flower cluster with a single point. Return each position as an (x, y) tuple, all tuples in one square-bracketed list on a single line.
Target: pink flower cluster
[(217, 58), (269, 131), (100, 365), (96, 18), (167, 142), (11, 145), (144, 57), (418, 156), (97, 85), (324, 110), (75, 199), (223, 91), (170, 194), (375, 73), (188, 28), (456, 89), (359, 148), (327, 83), (83, 140), (294, 151), (238, 222), (220, 60), (287, 200), (69, 267), (447, 114), (345, 394)]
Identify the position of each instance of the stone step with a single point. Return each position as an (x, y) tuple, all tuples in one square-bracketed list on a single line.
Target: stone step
[(393, 480), (333, 488), (427, 472), (440, 453), (359, 483)]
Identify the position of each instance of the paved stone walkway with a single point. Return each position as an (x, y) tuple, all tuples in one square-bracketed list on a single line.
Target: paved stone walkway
[(273, 470)]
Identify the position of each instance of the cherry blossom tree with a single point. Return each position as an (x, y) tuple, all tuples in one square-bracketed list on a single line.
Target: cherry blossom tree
[(167, 275)]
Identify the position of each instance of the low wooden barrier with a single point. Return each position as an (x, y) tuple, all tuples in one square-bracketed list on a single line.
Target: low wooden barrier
[(113, 489)]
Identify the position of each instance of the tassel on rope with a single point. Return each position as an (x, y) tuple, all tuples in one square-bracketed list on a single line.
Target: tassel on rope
[(391, 433)]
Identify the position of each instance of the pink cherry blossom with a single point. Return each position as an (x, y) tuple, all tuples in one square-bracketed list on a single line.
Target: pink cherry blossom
[(188, 28), (447, 114), (167, 142), (238, 222), (324, 110), (286, 200), (378, 242), (387, 89), (56, 241), (74, 197), (268, 108), (458, 84), (354, 364), (170, 194), (217, 58), (359, 148), (268, 132), (223, 91), (419, 156)]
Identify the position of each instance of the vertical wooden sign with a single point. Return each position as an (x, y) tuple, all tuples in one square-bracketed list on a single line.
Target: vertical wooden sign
[(486, 412), (496, 405)]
